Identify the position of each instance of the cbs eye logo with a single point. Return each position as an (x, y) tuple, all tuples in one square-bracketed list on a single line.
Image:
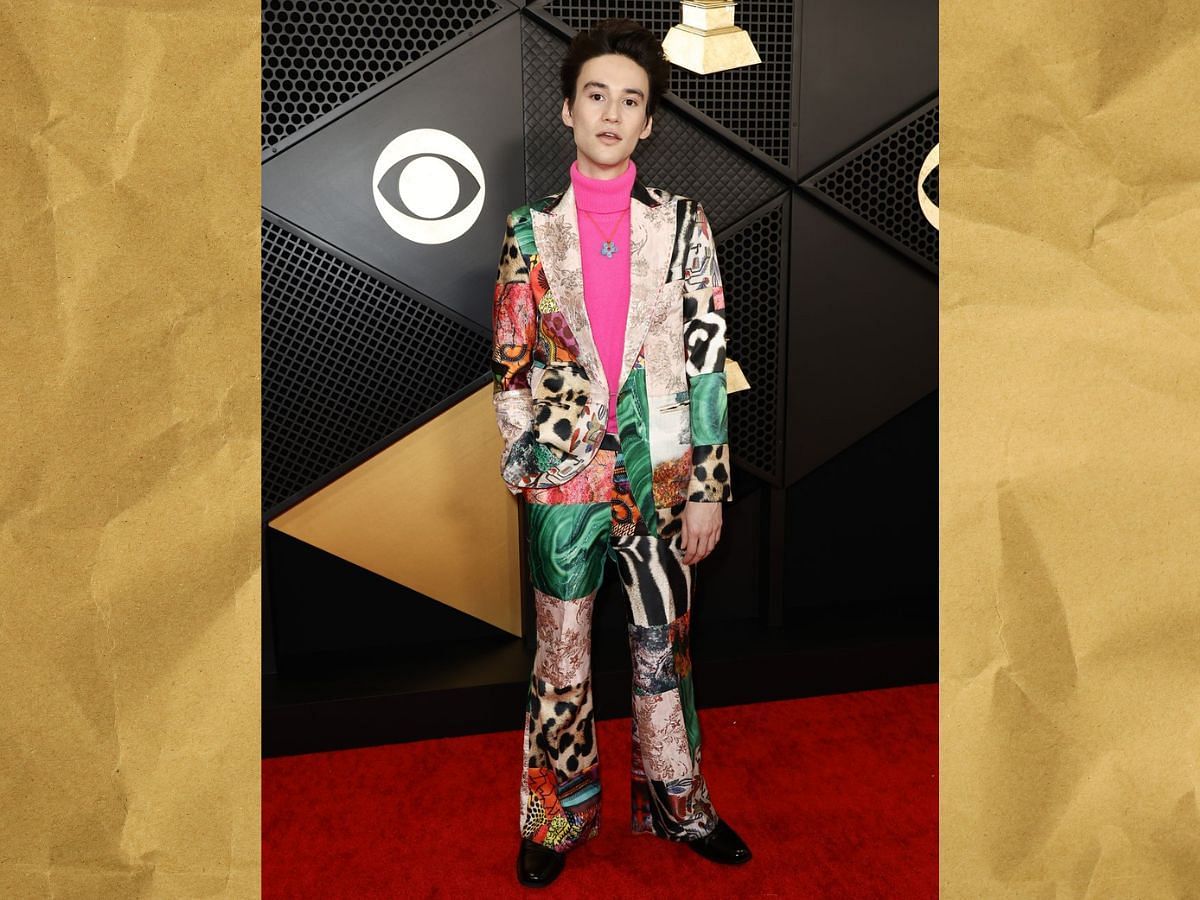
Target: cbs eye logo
[(928, 207), (423, 188)]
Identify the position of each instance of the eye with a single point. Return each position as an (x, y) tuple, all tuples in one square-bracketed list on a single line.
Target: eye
[(428, 186), (445, 190), (597, 95)]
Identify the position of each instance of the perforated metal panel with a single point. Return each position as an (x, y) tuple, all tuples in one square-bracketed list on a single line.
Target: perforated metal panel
[(752, 269), (678, 155), (347, 360), (754, 102), (318, 54), (877, 183)]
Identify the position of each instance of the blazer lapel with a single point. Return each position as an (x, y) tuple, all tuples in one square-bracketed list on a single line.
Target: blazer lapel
[(556, 232), (651, 238)]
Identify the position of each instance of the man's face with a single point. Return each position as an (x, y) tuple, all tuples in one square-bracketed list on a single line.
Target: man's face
[(610, 96)]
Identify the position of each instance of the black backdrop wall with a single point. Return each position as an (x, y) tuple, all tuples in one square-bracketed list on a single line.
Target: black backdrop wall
[(809, 166)]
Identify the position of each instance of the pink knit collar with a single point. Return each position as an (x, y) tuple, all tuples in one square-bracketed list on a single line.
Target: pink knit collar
[(603, 194)]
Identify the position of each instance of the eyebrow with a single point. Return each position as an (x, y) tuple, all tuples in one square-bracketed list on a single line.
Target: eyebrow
[(601, 84)]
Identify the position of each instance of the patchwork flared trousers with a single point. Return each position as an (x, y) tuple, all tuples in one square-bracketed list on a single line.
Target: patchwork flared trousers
[(573, 528)]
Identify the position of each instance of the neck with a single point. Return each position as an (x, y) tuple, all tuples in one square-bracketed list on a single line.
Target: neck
[(603, 194)]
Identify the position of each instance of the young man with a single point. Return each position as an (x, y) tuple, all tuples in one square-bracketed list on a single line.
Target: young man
[(609, 363)]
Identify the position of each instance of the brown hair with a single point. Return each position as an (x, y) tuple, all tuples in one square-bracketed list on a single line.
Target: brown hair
[(624, 36)]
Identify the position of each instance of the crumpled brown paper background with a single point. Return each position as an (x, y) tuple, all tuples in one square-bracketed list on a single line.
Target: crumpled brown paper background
[(1070, 449), (1070, 494), (129, 599)]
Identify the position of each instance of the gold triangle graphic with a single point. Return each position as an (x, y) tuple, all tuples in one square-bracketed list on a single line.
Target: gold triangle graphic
[(429, 512)]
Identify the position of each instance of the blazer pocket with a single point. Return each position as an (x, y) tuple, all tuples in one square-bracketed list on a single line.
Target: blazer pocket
[(556, 424), (559, 405), (670, 446), (670, 425), (674, 403)]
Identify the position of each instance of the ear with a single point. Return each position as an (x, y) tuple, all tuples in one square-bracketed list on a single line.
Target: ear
[(566, 114), (647, 129)]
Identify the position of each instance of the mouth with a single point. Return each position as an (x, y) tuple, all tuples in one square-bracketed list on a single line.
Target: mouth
[(609, 137)]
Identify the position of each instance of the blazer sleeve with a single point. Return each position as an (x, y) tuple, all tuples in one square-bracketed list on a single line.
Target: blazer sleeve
[(704, 339), (514, 333)]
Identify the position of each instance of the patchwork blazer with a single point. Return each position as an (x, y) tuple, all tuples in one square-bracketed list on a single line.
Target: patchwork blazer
[(550, 391)]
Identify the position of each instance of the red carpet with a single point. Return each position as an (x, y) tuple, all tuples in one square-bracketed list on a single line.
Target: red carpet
[(836, 797)]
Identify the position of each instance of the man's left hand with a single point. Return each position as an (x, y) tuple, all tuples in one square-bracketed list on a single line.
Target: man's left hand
[(701, 530)]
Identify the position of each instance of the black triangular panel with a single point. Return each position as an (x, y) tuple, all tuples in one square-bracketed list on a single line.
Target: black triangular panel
[(324, 604), (347, 360), (319, 54), (417, 180), (875, 184)]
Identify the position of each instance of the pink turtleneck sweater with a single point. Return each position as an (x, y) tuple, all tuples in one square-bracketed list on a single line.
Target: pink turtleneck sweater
[(603, 206)]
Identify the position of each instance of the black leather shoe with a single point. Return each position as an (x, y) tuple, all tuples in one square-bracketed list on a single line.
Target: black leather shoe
[(722, 845), (537, 866)]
